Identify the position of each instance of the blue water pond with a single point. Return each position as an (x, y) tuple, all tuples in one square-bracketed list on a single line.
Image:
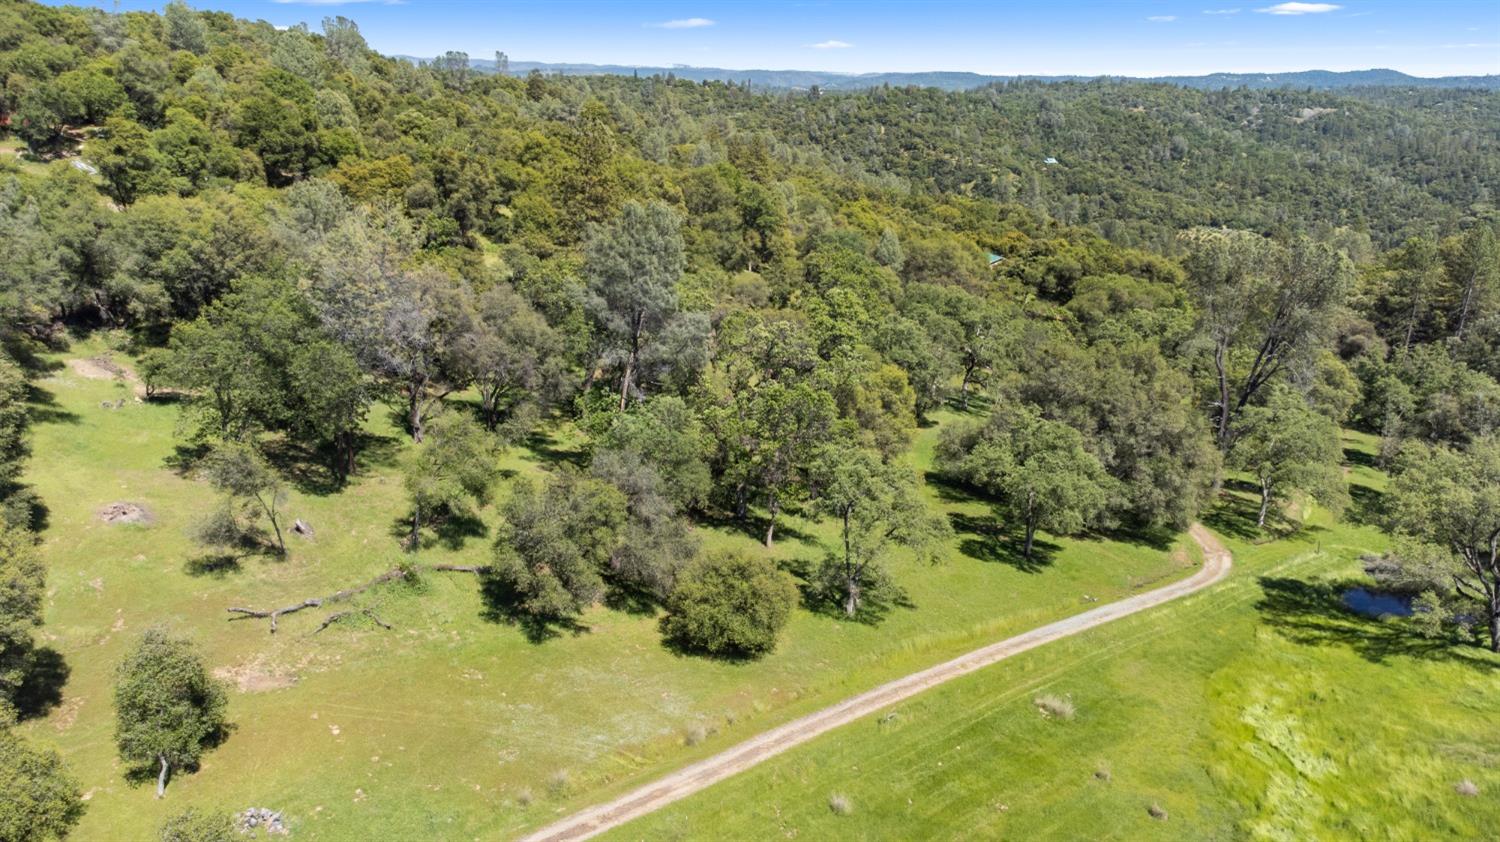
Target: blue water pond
[(1377, 604)]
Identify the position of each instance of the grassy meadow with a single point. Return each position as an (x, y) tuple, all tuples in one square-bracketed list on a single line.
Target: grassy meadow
[(1258, 709), (454, 725)]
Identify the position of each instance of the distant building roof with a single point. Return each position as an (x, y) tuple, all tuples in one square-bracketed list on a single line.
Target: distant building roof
[(84, 166), (1049, 160), (994, 258)]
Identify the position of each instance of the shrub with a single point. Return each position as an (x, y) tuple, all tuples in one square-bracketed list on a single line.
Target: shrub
[(193, 825), (558, 783), (1056, 707), (840, 804), (39, 799), (1466, 788), (524, 796), (729, 604)]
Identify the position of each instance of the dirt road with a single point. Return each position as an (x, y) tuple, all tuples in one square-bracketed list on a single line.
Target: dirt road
[(706, 772)]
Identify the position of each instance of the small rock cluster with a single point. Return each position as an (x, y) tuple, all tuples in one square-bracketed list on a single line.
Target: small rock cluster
[(260, 818)]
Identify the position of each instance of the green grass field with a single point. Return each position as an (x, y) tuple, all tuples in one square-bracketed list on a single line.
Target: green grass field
[(451, 726), (1258, 709)]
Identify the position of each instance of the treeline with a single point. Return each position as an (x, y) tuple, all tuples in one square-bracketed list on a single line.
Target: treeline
[(745, 306)]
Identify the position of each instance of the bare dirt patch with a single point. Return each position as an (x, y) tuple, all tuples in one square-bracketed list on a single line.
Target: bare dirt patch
[(124, 512), (255, 678), (104, 367)]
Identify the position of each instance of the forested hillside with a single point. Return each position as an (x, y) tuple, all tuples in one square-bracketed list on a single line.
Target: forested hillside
[(597, 330)]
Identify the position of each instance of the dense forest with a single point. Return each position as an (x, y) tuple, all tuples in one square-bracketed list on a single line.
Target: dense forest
[(744, 304)]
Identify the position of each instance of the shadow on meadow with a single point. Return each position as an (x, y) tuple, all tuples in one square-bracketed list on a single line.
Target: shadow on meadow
[(753, 526), (1314, 614), (502, 605), (43, 408), (44, 673), (880, 595), (1366, 506), (993, 542), (310, 470)]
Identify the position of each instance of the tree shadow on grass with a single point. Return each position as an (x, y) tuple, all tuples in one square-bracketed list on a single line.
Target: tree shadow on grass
[(881, 594), (630, 599), (992, 542), (1314, 614), (307, 470), (43, 677), (43, 408), (184, 458), (950, 490), (1233, 515), (1361, 459), (753, 526), (547, 449), (214, 565), (684, 649), (1159, 538), (501, 605), (450, 531), (1366, 505)]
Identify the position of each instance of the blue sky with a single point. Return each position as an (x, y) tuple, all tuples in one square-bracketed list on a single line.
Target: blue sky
[(1132, 37)]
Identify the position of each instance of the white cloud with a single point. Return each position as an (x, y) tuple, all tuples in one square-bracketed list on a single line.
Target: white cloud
[(683, 23), (1221, 11), (1162, 18), (831, 45), (1299, 8), (1470, 46)]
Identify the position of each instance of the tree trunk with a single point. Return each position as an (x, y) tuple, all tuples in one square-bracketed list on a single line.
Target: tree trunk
[(964, 388), (1030, 540), (1265, 503), (625, 381), (635, 350), (416, 529), (414, 414), (343, 454), (1495, 619), (1221, 434), (280, 541), (772, 507), (851, 596), (1463, 312), (161, 778)]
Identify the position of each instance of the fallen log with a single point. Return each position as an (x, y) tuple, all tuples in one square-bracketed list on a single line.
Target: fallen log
[(315, 602), (339, 615), (477, 569)]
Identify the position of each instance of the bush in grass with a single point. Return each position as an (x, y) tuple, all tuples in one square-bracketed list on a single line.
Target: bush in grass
[(39, 799), (840, 804), (1056, 707), (168, 708), (558, 783), (729, 604), (1466, 788), (193, 825)]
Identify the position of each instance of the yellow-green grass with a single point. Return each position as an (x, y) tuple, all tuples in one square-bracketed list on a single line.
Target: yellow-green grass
[(1258, 709), (446, 727)]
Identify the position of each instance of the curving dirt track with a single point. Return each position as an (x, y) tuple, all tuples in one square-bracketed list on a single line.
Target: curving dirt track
[(690, 779)]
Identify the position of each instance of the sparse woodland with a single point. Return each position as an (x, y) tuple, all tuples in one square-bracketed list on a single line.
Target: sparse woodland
[(741, 304)]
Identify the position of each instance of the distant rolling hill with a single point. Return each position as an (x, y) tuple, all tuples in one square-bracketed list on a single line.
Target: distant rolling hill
[(957, 81)]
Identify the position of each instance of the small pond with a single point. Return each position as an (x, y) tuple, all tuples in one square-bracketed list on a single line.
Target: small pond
[(1377, 603)]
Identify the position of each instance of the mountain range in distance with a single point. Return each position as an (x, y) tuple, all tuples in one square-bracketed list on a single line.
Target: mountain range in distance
[(959, 81)]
